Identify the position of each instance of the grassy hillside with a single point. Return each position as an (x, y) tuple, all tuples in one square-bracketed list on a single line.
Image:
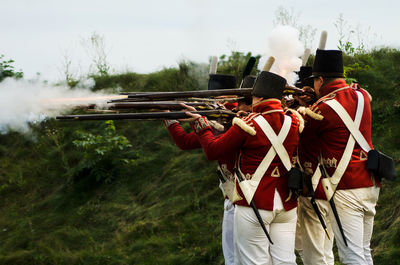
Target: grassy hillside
[(78, 193), (158, 206)]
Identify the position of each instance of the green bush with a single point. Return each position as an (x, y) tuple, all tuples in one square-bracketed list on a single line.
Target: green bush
[(103, 154), (7, 69)]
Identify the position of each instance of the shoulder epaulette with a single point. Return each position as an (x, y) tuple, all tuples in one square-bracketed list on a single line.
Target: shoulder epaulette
[(250, 116), (311, 113), (356, 87), (330, 96), (369, 95), (299, 118), (216, 125), (244, 123)]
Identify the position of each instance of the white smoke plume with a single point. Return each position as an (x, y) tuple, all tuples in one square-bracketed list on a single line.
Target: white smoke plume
[(23, 101), (284, 45)]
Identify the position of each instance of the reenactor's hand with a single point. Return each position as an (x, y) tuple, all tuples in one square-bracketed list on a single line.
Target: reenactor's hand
[(221, 104), (192, 116), (307, 99), (242, 113)]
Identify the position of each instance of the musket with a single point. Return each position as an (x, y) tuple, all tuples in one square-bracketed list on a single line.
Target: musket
[(253, 205), (231, 98), (334, 210), (188, 94), (241, 92), (161, 105), (291, 90), (211, 114)]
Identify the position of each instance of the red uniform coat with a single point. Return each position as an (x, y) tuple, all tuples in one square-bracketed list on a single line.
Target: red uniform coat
[(253, 150), (182, 139), (329, 137), (189, 141)]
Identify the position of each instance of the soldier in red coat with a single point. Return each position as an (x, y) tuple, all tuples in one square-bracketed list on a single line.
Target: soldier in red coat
[(327, 141), (312, 242), (265, 141), (226, 161)]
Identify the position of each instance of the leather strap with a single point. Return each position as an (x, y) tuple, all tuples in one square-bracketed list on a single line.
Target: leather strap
[(250, 186), (277, 145), (353, 127), (355, 135), (316, 177)]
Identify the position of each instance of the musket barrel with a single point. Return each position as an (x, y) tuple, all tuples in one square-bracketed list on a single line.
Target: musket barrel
[(160, 105), (195, 93), (136, 93), (233, 98), (211, 114)]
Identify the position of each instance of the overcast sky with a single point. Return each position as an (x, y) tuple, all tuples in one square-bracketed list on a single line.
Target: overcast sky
[(144, 36)]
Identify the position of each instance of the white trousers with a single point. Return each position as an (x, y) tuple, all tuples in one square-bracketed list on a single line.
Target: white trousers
[(313, 245), (252, 245), (227, 233), (356, 210)]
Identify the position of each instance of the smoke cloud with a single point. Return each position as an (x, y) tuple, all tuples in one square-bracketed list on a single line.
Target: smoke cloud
[(23, 102), (284, 45)]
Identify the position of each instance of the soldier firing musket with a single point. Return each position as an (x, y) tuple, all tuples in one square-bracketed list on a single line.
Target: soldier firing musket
[(314, 234), (226, 161), (344, 137), (263, 169)]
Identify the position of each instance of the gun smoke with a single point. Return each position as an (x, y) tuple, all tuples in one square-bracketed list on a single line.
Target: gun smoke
[(23, 102), (284, 45)]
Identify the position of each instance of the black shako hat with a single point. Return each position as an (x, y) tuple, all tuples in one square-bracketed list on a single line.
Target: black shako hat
[(304, 77), (269, 85), (218, 81), (248, 81), (328, 63)]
